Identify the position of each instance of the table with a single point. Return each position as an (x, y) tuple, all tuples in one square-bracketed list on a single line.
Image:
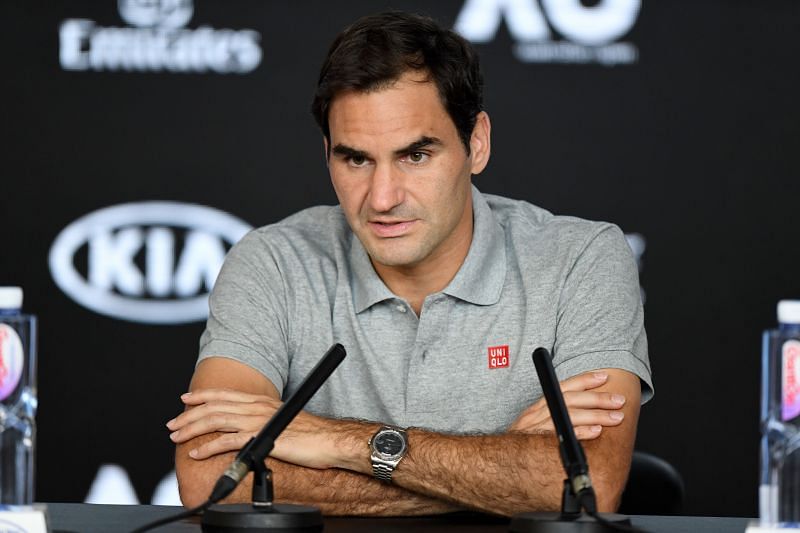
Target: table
[(89, 518)]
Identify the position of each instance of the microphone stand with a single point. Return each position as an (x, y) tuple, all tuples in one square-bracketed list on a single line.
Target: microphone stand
[(262, 514), (578, 493)]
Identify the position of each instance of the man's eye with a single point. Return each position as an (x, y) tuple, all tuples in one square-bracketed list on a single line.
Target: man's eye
[(358, 160), (417, 157)]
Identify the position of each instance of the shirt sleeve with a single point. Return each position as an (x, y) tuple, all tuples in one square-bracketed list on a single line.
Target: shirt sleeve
[(248, 310), (600, 321)]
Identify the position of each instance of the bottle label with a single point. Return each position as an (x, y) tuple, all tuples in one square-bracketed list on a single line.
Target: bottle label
[(12, 360), (790, 400)]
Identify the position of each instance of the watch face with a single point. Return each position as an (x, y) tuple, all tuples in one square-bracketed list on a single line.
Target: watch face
[(389, 443)]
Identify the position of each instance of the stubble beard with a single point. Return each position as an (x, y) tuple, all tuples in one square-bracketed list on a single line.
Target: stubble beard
[(398, 251)]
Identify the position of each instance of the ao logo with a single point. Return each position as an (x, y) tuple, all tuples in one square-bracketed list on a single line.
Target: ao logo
[(152, 13), (165, 291), (591, 26), (590, 32)]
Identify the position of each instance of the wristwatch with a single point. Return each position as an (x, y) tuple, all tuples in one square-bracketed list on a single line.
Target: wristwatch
[(388, 445)]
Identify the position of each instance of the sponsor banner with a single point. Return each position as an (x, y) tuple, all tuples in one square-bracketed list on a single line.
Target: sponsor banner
[(130, 256), (556, 31), (156, 40), (112, 485)]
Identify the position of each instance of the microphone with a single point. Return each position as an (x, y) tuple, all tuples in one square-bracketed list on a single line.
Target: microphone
[(578, 492), (257, 448), (261, 514), (572, 456)]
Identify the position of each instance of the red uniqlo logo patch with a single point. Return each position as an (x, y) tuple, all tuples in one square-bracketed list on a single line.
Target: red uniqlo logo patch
[(498, 357)]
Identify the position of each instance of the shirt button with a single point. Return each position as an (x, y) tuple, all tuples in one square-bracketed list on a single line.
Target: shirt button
[(401, 308)]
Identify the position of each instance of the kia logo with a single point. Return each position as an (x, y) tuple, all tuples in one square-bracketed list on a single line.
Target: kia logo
[(150, 262)]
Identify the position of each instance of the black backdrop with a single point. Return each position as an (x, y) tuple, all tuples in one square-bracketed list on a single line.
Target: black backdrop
[(693, 146)]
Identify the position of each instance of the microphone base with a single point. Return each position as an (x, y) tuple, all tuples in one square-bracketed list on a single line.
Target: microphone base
[(246, 518), (559, 523)]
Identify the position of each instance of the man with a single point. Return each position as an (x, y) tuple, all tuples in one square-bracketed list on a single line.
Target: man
[(438, 293)]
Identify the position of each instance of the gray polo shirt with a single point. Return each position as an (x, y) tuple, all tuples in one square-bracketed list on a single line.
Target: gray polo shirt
[(289, 290)]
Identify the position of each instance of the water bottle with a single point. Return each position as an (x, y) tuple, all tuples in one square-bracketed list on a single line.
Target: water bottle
[(779, 492), (17, 399)]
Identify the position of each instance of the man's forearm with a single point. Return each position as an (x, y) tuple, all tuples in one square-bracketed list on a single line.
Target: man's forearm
[(341, 492), (516, 471), (334, 491), (506, 473), (501, 474)]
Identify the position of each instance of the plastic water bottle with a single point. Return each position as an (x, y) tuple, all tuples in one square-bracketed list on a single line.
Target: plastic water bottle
[(779, 492), (17, 399)]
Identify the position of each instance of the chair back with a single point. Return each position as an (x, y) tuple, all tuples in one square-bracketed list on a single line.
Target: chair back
[(654, 487)]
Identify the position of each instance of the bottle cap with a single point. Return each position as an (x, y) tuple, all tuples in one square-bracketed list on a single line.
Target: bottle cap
[(789, 311), (10, 298)]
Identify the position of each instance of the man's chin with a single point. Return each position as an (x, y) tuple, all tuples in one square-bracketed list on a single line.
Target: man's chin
[(393, 258), (393, 262)]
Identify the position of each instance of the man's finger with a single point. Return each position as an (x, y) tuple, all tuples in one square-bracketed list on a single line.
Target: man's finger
[(209, 395), (586, 381), (536, 422), (214, 423), (208, 409), (588, 432), (596, 417), (225, 443), (593, 400)]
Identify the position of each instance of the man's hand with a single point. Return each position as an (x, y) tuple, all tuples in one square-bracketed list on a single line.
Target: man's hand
[(239, 416), (588, 410)]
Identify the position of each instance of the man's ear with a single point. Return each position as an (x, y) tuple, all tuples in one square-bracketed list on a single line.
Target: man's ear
[(480, 142), (327, 148)]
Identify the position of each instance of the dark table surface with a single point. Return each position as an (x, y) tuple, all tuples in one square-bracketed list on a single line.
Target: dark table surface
[(88, 518)]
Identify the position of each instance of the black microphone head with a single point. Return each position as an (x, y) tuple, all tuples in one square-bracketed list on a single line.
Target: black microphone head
[(340, 352), (540, 352)]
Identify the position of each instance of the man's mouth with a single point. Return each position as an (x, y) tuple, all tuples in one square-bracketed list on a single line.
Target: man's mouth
[(394, 228)]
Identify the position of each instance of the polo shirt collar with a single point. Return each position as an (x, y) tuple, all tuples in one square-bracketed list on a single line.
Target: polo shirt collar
[(479, 280), (368, 287)]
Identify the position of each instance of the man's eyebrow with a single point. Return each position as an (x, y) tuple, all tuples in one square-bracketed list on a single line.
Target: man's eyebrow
[(350, 152), (420, 143), (347, 151)]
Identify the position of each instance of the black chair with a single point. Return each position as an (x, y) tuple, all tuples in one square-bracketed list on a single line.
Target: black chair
[(654, 487)]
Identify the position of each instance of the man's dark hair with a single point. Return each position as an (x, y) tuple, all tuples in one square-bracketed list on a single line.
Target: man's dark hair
[(376, 50)]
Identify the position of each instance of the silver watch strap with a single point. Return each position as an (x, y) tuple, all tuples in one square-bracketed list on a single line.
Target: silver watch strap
[(382, 471)]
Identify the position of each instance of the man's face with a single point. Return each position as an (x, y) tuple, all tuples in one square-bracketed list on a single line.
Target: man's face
[(402, 174)]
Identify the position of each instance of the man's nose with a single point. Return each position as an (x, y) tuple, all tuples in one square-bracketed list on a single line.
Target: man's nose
[(386, 190)]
